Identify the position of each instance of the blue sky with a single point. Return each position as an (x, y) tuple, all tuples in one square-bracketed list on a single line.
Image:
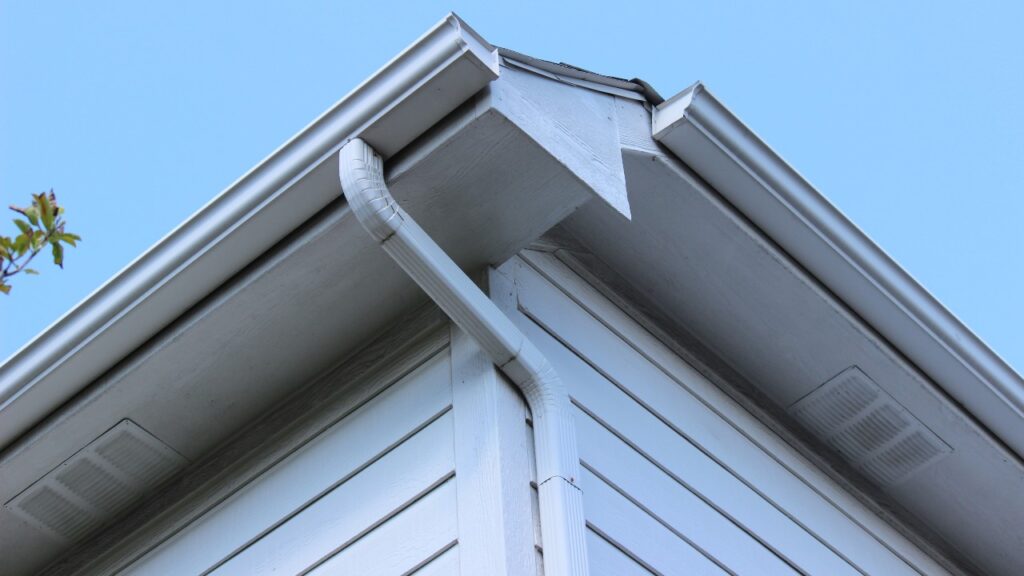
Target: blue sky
[(909, 116)]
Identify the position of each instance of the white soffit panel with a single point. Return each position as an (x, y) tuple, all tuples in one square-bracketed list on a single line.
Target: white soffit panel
[(96, 483)]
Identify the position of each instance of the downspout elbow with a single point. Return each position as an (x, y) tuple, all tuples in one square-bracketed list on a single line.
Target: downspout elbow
[(545, 393), (362, 182), (561, 503)]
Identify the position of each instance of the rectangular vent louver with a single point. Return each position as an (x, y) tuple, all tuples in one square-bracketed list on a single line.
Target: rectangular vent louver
[(869, 428), (100, 480)]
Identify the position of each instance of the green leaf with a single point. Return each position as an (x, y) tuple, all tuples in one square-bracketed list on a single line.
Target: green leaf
[(32, 213), (70, 239), (22, 225), (5, 288), (58, 255), (21, 244), (46, 211), (31, 271)]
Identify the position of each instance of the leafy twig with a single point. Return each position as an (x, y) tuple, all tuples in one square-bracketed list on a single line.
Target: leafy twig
[(41, 224)]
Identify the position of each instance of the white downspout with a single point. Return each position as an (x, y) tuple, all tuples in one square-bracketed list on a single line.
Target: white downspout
[(561, 503)]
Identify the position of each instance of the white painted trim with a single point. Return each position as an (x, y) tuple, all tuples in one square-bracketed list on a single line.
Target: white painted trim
[(492, 466)]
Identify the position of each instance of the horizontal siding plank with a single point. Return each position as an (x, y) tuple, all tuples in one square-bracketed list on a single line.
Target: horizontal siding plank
[(607, 560), (620, 521), (705, 428), (404, 542), (672, 503), (347, 512), (447, 564), (305, 473), (591, 299)]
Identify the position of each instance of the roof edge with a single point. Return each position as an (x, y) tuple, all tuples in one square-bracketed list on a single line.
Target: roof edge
[(422, 84), (713, 142), (636, 88)]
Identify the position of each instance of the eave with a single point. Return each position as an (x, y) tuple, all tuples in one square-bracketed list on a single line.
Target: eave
[(409, 94), (318, 294), (712, 141), (273, 279)]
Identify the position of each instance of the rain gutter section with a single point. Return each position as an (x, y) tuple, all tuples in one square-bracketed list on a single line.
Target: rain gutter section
[(713, 142), (429, 79)]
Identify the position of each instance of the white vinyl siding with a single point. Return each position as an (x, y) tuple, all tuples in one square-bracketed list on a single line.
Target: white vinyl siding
[(372, 494), (678, 478), (416, 457), (607, 560), (411, 457)]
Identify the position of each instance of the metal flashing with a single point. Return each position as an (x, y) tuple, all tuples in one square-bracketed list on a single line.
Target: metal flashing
[(575, 76)]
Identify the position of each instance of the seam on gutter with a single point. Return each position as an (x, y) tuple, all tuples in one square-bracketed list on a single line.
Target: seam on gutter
[(561, 501), (208, 248)]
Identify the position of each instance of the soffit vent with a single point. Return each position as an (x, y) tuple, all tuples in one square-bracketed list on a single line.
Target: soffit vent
[(100, 480), (869, 428)]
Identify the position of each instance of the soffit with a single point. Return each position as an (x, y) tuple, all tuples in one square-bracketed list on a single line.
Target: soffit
[(711, 273)]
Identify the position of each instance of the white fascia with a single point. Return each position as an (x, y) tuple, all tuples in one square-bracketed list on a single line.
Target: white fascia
[(412, 92), (713, 142)]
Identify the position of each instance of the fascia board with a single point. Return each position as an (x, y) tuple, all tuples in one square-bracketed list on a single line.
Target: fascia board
[(421, 85), (713, 142)]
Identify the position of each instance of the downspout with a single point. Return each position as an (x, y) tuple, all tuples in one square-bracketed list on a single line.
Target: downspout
[(561, 504)]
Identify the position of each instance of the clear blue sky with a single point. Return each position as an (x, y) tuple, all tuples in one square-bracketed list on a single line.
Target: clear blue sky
[(909, 116)]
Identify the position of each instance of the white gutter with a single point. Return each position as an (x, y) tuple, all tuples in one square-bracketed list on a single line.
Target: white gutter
[(561, 505), (414, 91), (698, 129)]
